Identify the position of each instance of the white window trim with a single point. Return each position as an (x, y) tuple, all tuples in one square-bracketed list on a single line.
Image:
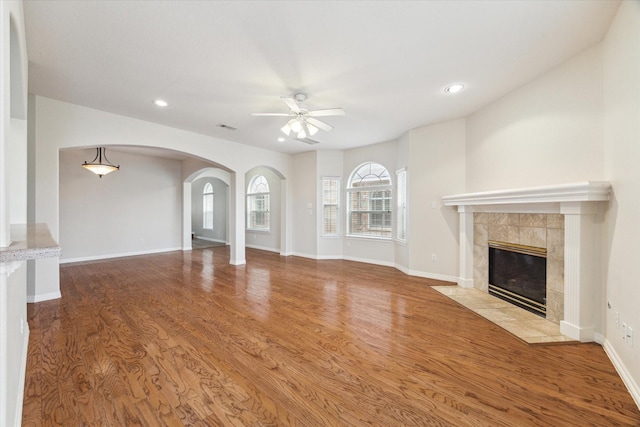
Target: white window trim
[(397, 204), (350, 189), (322, 206), (206, 193), (248, 206)]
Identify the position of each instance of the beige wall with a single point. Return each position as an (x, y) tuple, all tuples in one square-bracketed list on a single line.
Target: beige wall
[(621, 251), (92, 224), (304, 188), (436, 169), (547, 132)]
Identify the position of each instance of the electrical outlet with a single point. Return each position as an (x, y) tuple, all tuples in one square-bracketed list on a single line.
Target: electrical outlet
[(630, 336), (434, 257), (624, 332)]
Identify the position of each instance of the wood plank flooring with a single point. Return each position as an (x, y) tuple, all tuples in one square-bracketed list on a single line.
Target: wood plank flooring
[(187, 339)]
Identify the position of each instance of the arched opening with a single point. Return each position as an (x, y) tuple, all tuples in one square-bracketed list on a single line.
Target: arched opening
[(194, 227), (144, 207)]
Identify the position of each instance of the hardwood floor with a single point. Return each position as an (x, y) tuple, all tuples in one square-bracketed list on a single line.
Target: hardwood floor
[(187, 339)]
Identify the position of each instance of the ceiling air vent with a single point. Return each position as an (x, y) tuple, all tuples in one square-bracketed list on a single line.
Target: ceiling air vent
[(308, 141), (223, 126)]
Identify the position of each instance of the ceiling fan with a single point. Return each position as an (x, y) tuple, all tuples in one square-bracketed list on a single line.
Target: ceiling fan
[(303, 122)]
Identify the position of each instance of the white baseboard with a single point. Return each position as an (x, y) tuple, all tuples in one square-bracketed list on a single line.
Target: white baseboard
[(576, 332), (43, 297), (23, 372), (369, 261), (425, 274), (403, 269), (262, 248), (119, 255), (302, 255), (210, 239), (464, 283), (624, 373)]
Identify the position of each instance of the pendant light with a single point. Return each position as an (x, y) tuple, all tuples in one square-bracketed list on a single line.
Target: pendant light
[(97, 166)]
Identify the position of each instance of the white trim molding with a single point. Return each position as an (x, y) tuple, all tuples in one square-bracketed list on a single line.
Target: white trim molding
[(585, 191), (627, 377)]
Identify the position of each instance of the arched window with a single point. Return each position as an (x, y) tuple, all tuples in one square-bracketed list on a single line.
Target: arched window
[(207, 207), (369, 201), (258, 204)]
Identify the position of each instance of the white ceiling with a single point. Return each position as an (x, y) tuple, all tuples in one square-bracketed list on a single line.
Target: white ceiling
[(385, 62)]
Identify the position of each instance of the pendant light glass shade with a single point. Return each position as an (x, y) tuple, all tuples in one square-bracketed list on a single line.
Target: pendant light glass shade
[(97, 165)]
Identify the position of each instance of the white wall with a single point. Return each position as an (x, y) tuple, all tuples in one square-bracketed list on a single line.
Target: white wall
[(621, 251), (547, 132), (14, 332), (401, 251), (329, 164), (304, 187), (220, 208), (17, 171), (92, 225), (436, 169), (267, 240)]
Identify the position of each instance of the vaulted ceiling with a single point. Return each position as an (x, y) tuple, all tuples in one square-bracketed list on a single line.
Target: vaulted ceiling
[(385, 63)]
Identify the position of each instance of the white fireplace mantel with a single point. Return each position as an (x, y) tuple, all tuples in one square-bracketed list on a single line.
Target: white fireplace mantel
[(580, 204), (549, 199)]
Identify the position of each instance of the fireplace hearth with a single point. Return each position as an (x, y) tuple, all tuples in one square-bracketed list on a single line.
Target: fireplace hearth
[(518, 274)]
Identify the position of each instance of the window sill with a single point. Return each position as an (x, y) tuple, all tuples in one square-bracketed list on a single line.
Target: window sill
[(360, 237), (251, 230)]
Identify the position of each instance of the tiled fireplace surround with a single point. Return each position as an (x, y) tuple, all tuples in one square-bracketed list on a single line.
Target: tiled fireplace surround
[(539, 230), (565, 220)]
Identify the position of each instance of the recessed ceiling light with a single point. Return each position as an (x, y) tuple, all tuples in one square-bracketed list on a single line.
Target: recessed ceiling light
[(281, 139), (160, 103), (454, 88)]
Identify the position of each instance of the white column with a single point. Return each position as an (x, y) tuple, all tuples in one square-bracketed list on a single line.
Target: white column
[(237, 219), (582, 298), (465, 278), (186, 216)]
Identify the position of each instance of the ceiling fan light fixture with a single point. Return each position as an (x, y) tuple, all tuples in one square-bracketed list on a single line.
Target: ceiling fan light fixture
[(311, 128), (296, 125), (286, 129)]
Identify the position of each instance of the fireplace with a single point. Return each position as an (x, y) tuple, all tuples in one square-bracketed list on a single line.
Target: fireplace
[(518, 274), (573, 215)]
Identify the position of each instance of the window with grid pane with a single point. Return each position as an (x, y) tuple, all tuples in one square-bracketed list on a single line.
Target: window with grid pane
[(258, 204), (369, 201), (330, 205), (401, 205), (207, 207)]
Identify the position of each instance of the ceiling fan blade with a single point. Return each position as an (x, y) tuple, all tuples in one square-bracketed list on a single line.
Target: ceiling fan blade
[(327, 112), (291, 103), (271, 114), (321, 125)]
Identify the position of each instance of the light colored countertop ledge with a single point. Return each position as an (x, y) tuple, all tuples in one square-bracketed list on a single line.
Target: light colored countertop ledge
[(30, 241)]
